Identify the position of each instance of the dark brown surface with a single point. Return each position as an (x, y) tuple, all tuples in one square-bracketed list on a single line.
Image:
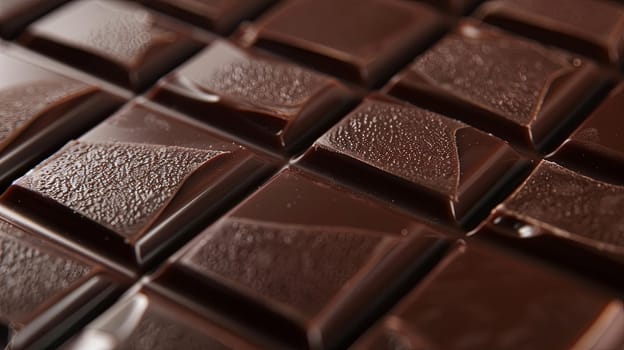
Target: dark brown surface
[(574, 220), (116, 40), (137, 183), (40, 111), (594, 28), (304, 261), (486, 298), (456, 7), (363, 41), (219, 16), (146, 321), (16, 14), (597, 145), (403, 152), (36, 278), (516, 89), (269, 101)]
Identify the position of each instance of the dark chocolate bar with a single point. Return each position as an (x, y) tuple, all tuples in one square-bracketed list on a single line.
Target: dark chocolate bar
[(446, 174)]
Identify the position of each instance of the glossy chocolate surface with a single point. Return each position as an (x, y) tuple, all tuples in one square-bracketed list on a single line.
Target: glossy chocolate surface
[(594, 28), (411, 153), (16, 14), (116, 40), (219, 16), (36, 278), (145, 320), (568, 217), (597, 145), (302, 260), (361, 41), (136, 183), (483, 298), (39, 111), (266, 100), (517, 89)]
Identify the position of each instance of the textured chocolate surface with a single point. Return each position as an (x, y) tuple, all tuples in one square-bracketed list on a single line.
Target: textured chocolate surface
[(362, 41), (303, 268), (35, 276), (558, 201), (266, 100), (116, 40), (39, 111), (420, 151), (475, 217), (129, 182), (510, 302), (220, 16), (504, 84), (591, 27), (121, 186)]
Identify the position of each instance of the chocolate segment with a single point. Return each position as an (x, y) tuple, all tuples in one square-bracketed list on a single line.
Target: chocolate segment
[(136, 183), (567, 216), (15, 15), (266, 100), (304, 261), (424, 160), (594, 28), (39, 111), (36, 278), (145, 320), (516, 89), (597, 145), (361, 41), (218, 16), (491, 299), (115, 40)]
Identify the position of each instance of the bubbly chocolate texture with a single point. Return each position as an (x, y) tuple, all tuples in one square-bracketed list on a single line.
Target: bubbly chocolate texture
[(414, 153), (130, 181)]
